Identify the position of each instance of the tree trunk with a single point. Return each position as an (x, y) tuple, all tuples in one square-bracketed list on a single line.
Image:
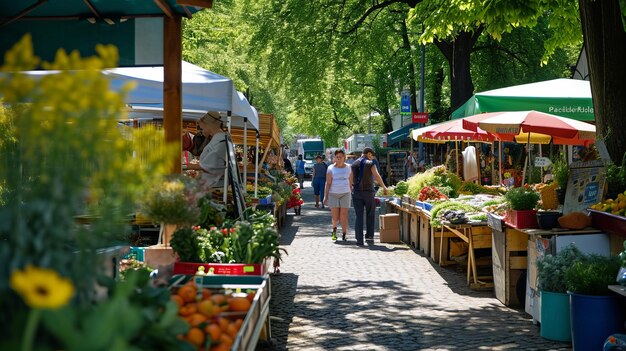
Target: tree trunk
[(458, 55), (605, 43)]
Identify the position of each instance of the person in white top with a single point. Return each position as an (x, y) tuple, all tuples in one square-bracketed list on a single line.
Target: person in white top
[(338, 192)]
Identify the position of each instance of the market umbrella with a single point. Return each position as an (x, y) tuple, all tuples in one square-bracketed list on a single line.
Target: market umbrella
[(453, 130), (449, 131), (533, 126), (514, 122)]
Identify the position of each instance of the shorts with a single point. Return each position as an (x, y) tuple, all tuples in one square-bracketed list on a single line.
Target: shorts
[(342, 200), (318, 185)]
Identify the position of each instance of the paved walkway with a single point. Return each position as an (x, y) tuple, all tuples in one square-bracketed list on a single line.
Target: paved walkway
[(337, 296)]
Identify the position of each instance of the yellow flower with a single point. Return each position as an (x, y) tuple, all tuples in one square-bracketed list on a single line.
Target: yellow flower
[(41, 287)]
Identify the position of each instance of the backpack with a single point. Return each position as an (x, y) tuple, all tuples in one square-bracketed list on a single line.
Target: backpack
[(198, 144)]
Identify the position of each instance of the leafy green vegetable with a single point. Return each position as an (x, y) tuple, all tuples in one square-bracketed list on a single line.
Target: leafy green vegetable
[(435, 213), (522, 198)]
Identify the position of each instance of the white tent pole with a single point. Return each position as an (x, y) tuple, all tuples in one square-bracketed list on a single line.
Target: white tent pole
[(500, 151), (225, 195), (256, 166), (541, 168), (526, 161), (457, 157), (245, 151)]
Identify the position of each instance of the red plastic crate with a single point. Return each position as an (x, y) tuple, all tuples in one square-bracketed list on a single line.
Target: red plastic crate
[(189, 268), (522, 219)]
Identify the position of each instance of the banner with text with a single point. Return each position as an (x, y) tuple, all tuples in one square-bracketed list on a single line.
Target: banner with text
[(420, 117)]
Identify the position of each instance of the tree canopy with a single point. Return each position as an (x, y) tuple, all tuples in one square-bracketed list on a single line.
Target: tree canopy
[(323, 67)]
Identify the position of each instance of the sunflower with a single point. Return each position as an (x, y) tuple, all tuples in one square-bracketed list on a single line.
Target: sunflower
[(41, 287)]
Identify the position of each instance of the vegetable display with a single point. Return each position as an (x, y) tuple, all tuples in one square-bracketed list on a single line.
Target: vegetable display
[(401, 188), (239, 242), (431, 193), (448, 205)]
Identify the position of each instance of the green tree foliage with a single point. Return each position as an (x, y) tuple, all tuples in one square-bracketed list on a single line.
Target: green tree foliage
[(323, 66)]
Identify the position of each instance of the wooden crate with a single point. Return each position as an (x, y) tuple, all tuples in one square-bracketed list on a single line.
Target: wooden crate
[(415, 229), (435, 242), (405, 225), (424, 233), (509, 256)]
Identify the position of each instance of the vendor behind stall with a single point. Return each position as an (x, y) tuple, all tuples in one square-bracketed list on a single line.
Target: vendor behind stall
[(213, 156)]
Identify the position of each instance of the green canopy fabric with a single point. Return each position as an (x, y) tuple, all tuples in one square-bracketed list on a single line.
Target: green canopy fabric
[(563, 97), (134, 27), (400, 134)]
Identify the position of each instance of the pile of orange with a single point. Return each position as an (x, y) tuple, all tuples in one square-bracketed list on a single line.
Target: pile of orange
[(208, 329)]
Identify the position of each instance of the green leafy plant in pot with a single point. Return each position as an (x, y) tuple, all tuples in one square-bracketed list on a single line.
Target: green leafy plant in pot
[(521, 202), (555, 311), (595, 311)]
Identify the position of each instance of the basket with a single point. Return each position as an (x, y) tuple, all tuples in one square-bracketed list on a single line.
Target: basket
[(549, 197)]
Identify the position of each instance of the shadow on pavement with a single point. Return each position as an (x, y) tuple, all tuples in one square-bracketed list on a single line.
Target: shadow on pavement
[(363, 315), (289, 230)]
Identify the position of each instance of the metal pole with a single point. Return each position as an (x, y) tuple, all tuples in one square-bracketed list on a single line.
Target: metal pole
[(420, 155), (500, 161), (245, 151), (225, 195), (256, 166)]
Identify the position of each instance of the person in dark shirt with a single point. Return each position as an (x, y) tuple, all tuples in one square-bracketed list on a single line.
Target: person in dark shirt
[(288, 166), (319, 180), (364, 172)]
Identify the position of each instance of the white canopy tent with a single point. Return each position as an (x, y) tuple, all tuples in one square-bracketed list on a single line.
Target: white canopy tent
[(202, 91)]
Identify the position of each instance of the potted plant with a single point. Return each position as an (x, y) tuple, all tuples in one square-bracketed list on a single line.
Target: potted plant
[(521, 202), (555, 312), (595, 310), (560, 169), (172, 203)]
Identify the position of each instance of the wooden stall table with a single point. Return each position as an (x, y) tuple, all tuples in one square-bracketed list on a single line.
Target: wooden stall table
[(509, 254), (412, 223), (424, 232), (478, 236), (618, 289)]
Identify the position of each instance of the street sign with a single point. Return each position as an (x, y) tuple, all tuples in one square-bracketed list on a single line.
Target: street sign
[(420, 117), (405, 103)]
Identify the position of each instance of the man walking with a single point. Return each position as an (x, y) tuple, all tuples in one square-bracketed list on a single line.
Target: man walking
[(364, 172)]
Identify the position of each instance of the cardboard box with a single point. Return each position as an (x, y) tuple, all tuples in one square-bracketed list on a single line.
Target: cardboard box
[(389, 221), (390, 235)]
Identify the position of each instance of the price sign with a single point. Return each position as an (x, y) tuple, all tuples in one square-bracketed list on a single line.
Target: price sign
[(542, 162)]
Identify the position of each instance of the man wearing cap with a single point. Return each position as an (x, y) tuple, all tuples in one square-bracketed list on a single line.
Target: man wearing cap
[(364, 172)]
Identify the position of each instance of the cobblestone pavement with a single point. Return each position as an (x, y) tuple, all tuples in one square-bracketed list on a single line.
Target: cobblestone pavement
[(337, 296)]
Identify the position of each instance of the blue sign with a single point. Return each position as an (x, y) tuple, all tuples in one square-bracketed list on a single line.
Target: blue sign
[(591, 193), (405, 102)]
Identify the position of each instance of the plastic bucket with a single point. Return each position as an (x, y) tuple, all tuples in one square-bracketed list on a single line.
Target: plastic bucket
[(593, 319), (555, 316)]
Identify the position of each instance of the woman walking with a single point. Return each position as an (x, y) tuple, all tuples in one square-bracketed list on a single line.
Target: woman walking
[(338, 192)]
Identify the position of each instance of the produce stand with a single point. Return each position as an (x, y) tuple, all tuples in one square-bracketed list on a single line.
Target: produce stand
[(509, 254), (256, 324), (478, 236), (395, 166)]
